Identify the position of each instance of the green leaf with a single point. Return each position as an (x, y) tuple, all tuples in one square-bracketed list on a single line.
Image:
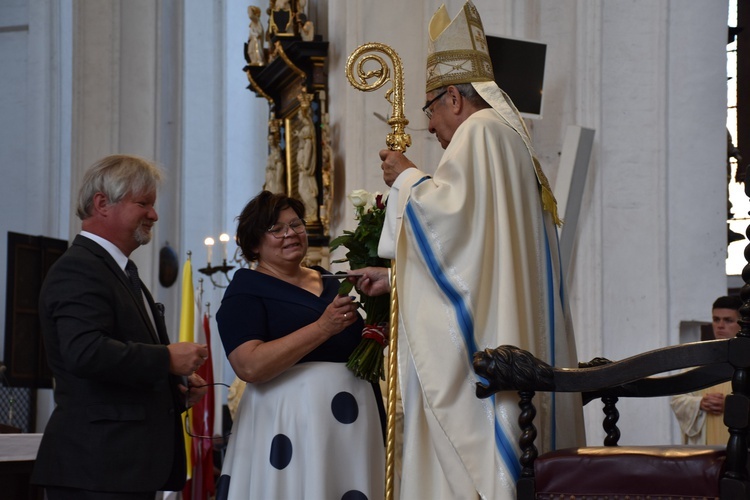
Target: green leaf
[(345, 287)]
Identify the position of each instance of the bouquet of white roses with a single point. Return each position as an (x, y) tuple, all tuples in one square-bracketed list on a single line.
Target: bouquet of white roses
[(362, 251)]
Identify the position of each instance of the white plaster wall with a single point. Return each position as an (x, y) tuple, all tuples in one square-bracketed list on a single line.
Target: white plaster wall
[(114, 68), (696, 190), (201, 155), (632, 168), (659, 128)]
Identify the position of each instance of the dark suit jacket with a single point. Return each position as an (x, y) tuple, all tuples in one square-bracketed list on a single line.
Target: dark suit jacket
[(116, 424)]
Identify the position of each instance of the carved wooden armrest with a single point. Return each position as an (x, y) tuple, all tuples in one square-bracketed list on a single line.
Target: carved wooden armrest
[(511, 368), (700, 365)]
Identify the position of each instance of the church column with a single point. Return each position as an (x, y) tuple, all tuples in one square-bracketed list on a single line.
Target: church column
[(114, 93)]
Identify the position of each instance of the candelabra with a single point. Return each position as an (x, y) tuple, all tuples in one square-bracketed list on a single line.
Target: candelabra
[(224, 268), (211, 270)]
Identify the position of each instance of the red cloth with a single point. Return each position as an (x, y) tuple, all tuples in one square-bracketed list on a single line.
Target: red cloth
[(201, 484)]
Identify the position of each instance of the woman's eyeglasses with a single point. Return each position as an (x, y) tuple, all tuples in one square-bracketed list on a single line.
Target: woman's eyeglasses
[(281, 229), (217, 438)]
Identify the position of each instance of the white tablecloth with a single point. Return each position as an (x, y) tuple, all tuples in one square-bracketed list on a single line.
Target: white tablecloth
[(19, 447)]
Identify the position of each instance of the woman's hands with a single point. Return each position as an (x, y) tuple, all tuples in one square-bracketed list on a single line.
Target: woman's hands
[(339, 314), (256, 361)]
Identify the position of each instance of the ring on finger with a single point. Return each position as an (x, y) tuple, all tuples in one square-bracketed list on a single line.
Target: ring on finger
[(346, 315)]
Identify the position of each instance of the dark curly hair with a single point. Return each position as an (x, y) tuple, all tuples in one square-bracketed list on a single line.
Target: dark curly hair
[(259, 214)]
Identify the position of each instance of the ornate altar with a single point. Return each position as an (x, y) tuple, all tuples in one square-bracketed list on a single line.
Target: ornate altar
[(288, 69)]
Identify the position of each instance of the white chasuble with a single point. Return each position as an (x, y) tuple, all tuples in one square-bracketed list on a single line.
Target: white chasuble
[(477, 266)]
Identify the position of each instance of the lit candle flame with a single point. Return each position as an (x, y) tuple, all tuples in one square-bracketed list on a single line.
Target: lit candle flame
[(209, 242), (224, 238)]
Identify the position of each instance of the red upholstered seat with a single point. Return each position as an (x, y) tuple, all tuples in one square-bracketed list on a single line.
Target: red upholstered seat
[(612, 472), (675, 473)]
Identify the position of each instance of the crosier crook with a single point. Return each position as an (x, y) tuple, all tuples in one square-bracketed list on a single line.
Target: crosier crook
[(398, 140)]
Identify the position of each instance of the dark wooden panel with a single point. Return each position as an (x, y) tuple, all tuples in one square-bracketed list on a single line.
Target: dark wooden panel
[(29, 260)]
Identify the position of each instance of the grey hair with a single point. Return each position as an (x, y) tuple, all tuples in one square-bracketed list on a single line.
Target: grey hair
[(117, 176), (470, 93)]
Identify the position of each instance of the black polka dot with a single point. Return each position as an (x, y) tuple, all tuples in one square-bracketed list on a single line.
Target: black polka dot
[(281, 451), (344, 407), (354, 495)]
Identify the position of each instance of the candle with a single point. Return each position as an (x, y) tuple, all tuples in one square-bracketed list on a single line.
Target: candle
[(209, 245), (224, 238)]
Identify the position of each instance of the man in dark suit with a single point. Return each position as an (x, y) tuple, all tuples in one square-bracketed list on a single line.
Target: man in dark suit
[(120, 386)]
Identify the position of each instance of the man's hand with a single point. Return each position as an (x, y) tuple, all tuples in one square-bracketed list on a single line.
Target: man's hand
[(394, 162), (713, 403), (186, 357), (374, 281), (195, 390)]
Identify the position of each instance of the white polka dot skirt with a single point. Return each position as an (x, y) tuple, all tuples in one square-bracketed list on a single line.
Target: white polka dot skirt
[(312, 433)]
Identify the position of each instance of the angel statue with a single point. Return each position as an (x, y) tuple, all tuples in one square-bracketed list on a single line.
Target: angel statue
[(274, 164), (308, 184), (306, 28), (255, 41)]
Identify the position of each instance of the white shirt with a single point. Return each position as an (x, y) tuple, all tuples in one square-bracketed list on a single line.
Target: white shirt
[(120, 258)]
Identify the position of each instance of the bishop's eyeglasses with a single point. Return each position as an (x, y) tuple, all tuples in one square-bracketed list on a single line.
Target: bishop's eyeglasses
[(426, 108), (281, 229)]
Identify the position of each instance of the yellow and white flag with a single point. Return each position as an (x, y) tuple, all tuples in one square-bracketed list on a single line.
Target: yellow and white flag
[(187, 334)]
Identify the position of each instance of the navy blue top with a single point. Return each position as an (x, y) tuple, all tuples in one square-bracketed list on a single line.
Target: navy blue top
[(262, 307)]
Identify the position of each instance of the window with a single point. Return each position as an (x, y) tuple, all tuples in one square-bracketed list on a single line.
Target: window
[(738, 129)]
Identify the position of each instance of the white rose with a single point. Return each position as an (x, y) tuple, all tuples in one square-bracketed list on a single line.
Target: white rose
[(370, 201), (359, 198)]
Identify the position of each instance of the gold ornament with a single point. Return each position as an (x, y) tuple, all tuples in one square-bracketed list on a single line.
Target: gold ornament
[(398, 140)]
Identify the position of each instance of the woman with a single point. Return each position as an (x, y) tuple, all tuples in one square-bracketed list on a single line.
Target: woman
[(306, 427)]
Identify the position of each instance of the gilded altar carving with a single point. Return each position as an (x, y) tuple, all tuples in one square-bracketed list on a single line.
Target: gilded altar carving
[(302, 181), (326, 156), (255, 52), (294, 81), (275, 167)]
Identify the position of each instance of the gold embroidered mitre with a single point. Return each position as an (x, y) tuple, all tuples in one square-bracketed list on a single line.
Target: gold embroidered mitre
[(457, 53), (457, 50)]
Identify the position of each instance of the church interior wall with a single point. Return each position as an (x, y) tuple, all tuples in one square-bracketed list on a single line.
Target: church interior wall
[(163, 79)]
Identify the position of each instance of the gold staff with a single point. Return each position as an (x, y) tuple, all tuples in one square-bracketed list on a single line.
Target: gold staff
[(398, 140)]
